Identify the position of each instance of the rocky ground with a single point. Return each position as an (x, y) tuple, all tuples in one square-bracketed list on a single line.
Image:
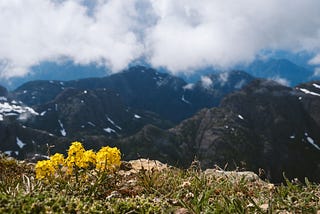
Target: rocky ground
[(149, 186)]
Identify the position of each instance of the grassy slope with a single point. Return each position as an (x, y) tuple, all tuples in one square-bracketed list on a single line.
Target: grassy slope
[(154, 190)]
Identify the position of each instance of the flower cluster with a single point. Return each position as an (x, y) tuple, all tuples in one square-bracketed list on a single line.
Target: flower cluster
[(106, 158), (44, 169), (78, 157)]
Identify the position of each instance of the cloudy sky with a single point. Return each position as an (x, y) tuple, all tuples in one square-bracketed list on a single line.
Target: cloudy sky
[(181, 35)]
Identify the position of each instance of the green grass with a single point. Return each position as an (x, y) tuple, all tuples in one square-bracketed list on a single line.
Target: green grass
[(148, 191)]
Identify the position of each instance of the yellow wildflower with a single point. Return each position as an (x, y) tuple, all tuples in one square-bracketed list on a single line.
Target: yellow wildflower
[(108, 158), (89, 158), (75, 156), (76, 148), (57, 160), (44, 169)]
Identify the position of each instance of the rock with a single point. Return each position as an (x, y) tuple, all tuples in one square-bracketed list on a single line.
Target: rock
[(146, 164), (233, 175)]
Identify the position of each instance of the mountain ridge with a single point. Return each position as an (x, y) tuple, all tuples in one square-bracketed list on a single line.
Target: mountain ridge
[(230, 119), (264, 126)]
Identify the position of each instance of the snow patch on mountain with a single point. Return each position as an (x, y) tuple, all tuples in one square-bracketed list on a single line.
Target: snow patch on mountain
[(7, 109), (311, 141), (316, 85), (184, 100), (62, 130), (109, 130), (137, 116), (113, 123), (91, 124), (240, 117), (8, 152), (306, 91), (20, 143)]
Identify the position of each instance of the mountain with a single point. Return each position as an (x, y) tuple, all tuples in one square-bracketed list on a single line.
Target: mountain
[(266, 127), (286, 69), (280, 70), (86, 115), (236, 121), (210, 90), (76, 112), (102, 110), (227, 119), (144, 88), (16, 139), (301, 58), (311, 98), (293, 68), (23, 142)]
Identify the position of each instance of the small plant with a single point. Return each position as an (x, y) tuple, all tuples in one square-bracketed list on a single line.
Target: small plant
[(78, 159)]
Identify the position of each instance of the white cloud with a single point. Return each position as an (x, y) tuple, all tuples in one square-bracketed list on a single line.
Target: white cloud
[(240, 84), (206, 82), (281, 81), (181, 35), (223, 78), (37, 30), (316, 62), (192, 34), (189, 86), (316, 72)]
